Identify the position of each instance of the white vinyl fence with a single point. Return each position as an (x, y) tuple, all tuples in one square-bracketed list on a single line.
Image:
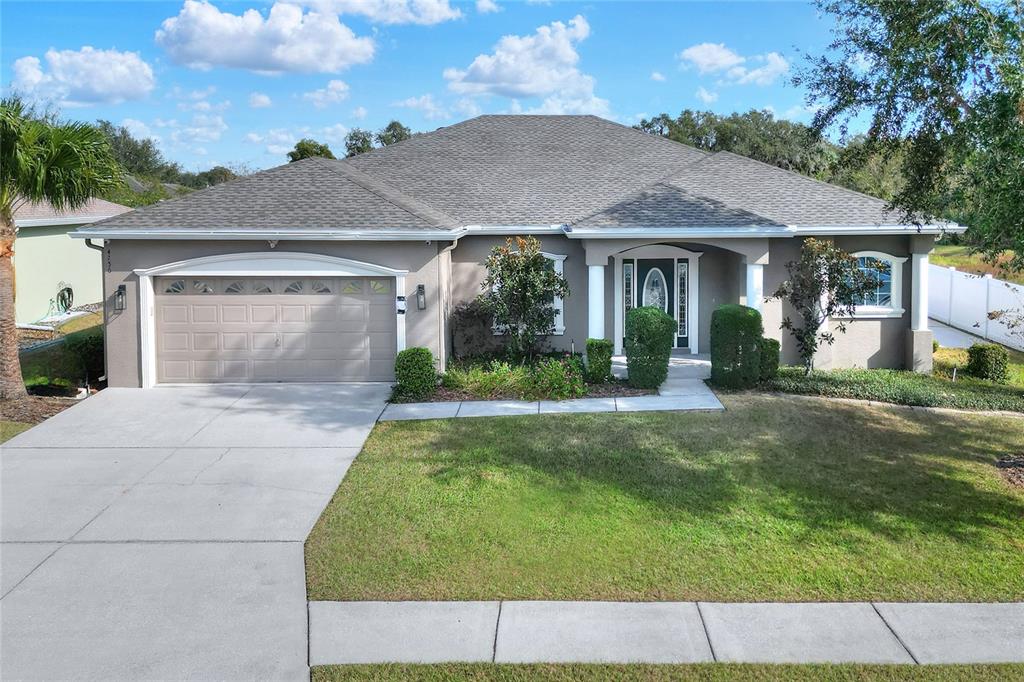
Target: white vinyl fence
[(964, 301)]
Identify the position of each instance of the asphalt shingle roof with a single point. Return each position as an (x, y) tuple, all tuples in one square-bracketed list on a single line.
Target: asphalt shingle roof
[(582, 171), (90, 212)]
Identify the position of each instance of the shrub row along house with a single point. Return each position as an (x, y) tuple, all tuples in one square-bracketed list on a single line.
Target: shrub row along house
[(322, 270)]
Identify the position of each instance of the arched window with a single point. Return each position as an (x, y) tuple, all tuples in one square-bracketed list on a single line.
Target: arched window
[(887, 298)]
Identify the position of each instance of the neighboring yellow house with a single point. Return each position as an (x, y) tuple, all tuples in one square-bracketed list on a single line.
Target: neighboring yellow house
[(47, 260)]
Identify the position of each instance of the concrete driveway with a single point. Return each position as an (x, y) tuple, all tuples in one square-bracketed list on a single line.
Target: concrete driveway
[(157, 534)]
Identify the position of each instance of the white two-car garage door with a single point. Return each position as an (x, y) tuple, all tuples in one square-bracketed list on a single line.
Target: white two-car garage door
[(250, 329)]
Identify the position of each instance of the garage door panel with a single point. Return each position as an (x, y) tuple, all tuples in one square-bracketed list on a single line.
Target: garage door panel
[(275, 329)]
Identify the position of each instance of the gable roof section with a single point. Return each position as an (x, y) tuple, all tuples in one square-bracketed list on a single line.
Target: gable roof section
[(312, 194), (32, 214)]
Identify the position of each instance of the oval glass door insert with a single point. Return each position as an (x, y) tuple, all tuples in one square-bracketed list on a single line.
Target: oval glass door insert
[(655, 289)]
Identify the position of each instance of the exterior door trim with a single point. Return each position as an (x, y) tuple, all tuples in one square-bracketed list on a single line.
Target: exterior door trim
[(663, 251), (279, 264)]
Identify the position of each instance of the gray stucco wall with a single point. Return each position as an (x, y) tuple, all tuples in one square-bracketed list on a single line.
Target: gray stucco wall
[(122, 333)]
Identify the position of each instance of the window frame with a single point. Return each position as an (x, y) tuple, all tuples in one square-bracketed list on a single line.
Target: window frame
[(895, 308), (558, 303)]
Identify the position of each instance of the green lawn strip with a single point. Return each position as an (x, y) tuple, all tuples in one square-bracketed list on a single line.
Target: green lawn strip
[(947, 358), (900, 387), (961, 258), (774, 499), (726, 672), (9, 430)]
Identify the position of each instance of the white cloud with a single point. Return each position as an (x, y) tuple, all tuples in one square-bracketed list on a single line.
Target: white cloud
[(83, 77), (710, 57), (202, 128), (425, 103), (773, 66), (657, 76), (487, 6), (205, 106), (335, 134), (734, 68), (424, 12), (468, 107), (540, 65), (335, 91), (259, 100), (287, 40), (139, 129), (705, 96), (359, 113)]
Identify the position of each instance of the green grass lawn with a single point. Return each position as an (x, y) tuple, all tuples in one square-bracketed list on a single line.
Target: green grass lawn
[(900, 388), (776, 498), (9, 430), (947, 358), (709, 672), (961, 258)]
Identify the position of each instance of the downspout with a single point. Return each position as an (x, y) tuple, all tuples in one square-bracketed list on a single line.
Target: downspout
[(442, 309), (103, 279)]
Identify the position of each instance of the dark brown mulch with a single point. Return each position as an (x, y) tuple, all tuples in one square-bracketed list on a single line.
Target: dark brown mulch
[(1012, 469), (33, 409), (613, 389)]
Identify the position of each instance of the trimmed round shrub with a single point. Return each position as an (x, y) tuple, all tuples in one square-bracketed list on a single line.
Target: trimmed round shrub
[(599, 360), (415, 373), (557, 379), (736, 334), (87, 347), (770, 351), (989, 361), (648, 344)]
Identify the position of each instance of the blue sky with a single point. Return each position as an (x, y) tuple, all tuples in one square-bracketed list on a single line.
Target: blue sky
[(240, 82)]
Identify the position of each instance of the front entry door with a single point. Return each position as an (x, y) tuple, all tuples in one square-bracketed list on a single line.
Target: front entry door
[(662, 283)]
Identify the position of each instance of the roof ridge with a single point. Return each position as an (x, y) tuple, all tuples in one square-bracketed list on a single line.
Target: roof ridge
[(807, 177), (374, 185)]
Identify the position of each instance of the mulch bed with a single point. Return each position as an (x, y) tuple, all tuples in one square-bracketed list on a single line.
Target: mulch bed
[(1012, 469), (33, 409), (614, 389)]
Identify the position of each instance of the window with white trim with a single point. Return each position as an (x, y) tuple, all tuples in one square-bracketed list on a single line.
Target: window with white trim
[(887, 298), (558, 263)]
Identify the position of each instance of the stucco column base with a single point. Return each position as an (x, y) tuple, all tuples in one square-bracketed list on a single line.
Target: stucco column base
[(919, 351)]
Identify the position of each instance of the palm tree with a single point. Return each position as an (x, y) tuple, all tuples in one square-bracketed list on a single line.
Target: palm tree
[(41, 159)]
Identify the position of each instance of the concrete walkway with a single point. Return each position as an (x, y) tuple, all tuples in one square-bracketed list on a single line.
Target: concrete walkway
[(157, 534), (664, 632), (684, 389), (950, 337)]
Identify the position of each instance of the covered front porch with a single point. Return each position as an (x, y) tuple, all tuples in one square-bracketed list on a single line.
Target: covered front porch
[(686, 279)]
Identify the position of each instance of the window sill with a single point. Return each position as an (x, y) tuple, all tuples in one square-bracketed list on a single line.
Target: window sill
[(874, 314)]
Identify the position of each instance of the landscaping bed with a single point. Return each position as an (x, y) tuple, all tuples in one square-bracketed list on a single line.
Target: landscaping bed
[(775, 499), (900, 388), (21, 415), (705, 672)]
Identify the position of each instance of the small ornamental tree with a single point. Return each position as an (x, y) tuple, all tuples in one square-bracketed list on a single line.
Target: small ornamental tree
[(825, 282), (520, 291)]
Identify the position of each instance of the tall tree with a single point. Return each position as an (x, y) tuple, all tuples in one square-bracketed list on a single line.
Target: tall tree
[(756, 134), (358, 141), (65, 164), (391, 133), (307, 147), (940, 81)]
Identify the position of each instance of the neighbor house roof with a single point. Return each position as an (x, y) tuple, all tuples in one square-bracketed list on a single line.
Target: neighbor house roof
[(513, 172), (31, 214)]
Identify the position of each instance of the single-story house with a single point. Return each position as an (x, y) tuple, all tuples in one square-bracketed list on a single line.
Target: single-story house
[(321, 270), (46, 261)]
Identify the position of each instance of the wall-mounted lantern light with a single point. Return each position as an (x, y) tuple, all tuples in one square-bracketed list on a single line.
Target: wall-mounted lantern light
[(120, 297), (421, 297), (400, 305)]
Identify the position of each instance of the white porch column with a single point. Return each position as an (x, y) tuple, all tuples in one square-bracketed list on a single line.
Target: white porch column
[(919, 292), (595, 302), (755, 286)]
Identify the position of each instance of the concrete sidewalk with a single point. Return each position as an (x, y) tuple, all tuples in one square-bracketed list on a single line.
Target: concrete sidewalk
[(664, 632)]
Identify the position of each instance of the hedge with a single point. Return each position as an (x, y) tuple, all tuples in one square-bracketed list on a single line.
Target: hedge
[(648, 344), (415, 373), (736, 333), (599, 360), (770, 351), (989, 361)]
